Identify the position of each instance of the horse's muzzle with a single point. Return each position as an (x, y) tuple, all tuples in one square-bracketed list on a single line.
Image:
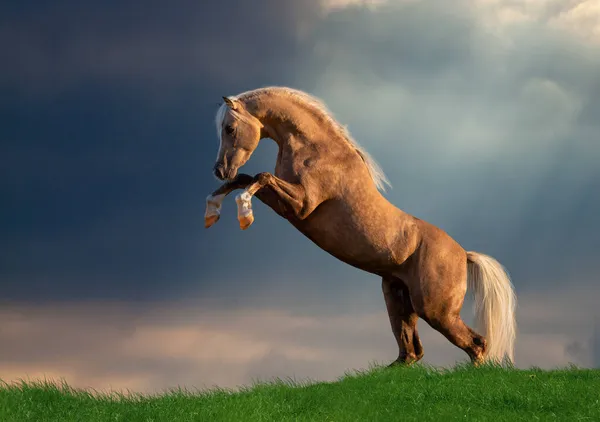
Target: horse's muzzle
[(224, 174)]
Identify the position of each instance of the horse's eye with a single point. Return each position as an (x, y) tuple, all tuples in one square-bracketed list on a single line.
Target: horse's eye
[(229, 129)]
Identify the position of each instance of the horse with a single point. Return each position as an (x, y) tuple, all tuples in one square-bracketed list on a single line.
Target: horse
[(329, 188)]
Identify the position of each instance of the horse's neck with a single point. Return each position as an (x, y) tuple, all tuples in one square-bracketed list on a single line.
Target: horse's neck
[(289, 124)]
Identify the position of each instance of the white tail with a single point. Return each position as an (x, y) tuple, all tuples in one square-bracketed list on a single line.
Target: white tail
[(495, 305)]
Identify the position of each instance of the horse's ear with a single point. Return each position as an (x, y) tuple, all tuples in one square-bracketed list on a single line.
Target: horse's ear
[(230, 103)]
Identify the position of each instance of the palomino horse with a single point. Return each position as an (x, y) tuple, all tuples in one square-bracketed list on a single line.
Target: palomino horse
[(328, 188)]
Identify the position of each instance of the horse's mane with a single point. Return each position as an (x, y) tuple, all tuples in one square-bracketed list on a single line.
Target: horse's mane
[(377, 174)]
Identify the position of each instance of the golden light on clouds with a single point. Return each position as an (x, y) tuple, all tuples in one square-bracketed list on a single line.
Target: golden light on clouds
[(583, 19), (341, 4), (577, 17), (150, 348)]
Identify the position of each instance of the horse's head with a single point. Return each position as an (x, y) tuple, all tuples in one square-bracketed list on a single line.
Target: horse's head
[(239, 133)]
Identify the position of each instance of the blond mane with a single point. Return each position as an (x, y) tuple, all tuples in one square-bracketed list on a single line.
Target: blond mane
[(377, 174)]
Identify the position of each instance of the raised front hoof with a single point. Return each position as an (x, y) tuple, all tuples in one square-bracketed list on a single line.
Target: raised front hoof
[(246, 221), (210, 220)]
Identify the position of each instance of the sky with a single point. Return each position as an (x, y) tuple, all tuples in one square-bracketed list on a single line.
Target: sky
[(484, 114)]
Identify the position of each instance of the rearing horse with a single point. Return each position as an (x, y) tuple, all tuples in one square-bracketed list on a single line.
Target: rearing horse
[(329, 189)]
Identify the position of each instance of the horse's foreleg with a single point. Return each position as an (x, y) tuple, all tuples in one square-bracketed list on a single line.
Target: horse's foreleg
[(283, 197), (215, 199)]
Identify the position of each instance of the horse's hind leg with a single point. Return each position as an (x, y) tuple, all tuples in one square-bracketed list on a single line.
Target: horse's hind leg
[(439, 301), (403, 319), (461, 335)]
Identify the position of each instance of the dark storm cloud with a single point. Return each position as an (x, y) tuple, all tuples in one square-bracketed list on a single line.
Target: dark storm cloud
[(110, 142), (49, 48)]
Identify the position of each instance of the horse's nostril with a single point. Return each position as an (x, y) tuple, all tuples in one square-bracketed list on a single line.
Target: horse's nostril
[(219, 172)]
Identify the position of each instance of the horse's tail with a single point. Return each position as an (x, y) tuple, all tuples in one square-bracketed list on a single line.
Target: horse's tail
[(495, 305)]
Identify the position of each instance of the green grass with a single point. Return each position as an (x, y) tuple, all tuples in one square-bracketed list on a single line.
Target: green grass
[(380, 394)]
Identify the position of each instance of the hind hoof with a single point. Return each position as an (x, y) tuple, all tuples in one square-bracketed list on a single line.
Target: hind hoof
[(405, 360)]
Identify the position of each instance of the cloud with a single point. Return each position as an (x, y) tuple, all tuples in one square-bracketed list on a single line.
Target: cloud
[(484, 115), (335, 5), (456, 74), (154, 49), (587, 350), (578, 17), (489, 134), (150, 347), (595, 345), (493, 138)]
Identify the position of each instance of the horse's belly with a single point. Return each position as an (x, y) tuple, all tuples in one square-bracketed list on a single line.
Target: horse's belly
[(352, 238)]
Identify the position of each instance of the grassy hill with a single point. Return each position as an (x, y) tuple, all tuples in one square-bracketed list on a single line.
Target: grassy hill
[(381, 394)]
